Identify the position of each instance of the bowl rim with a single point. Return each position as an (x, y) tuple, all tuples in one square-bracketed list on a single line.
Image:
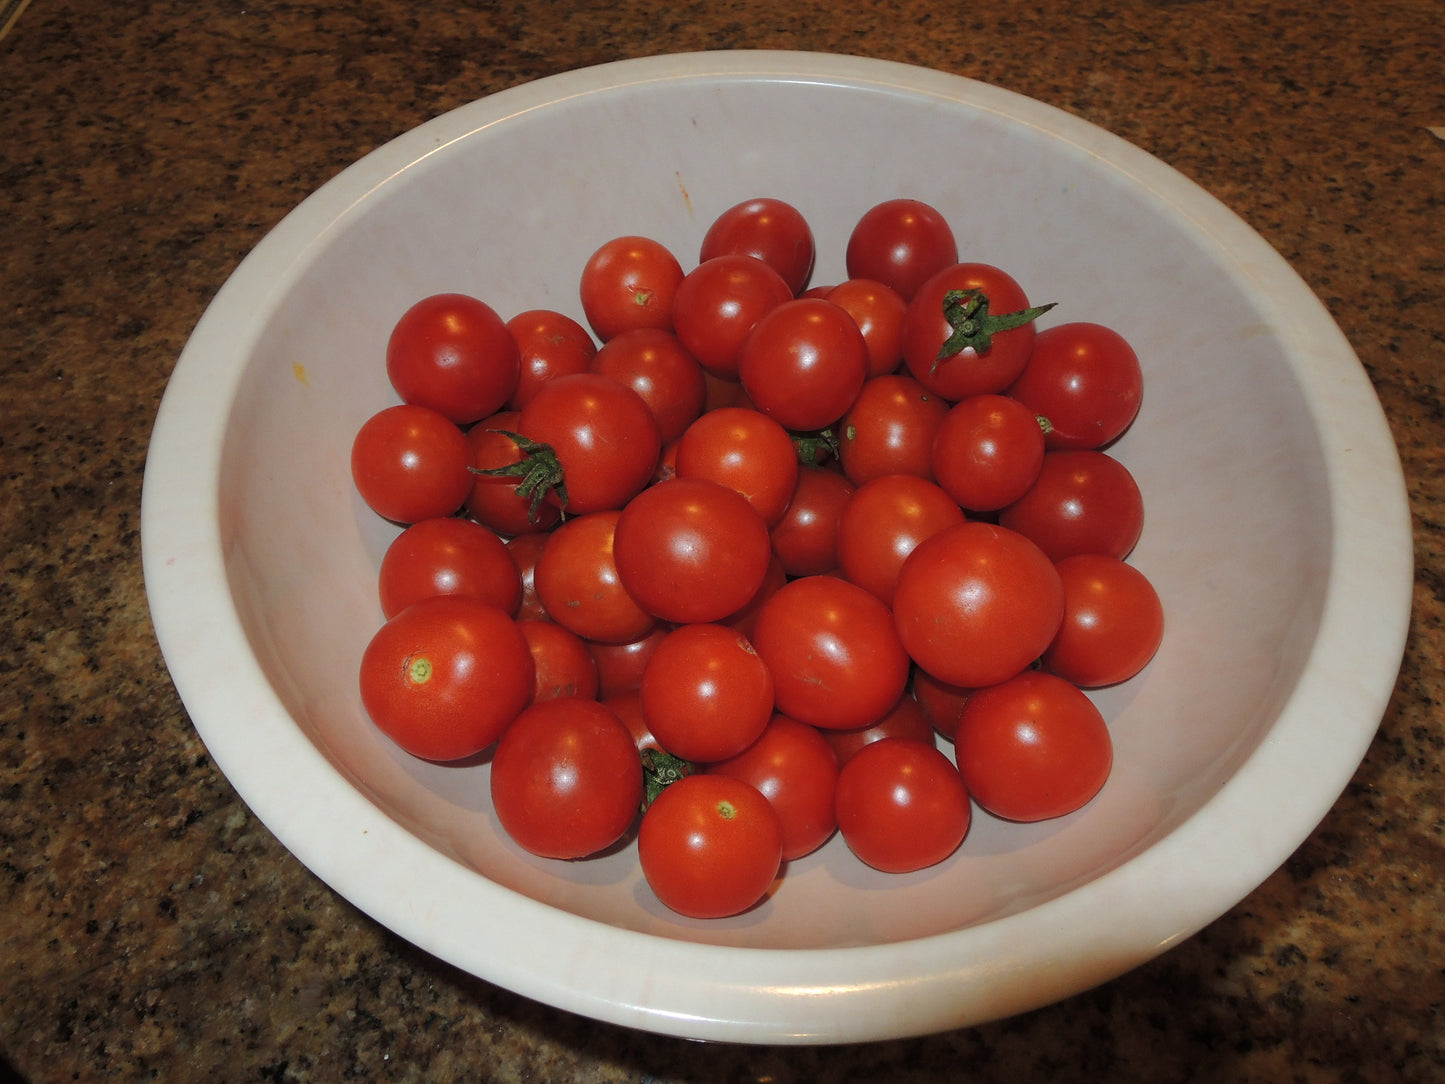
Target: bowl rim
[(830, 995)]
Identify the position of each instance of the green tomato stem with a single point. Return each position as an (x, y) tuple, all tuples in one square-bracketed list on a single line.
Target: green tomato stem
[(539, 469), (974, 326)]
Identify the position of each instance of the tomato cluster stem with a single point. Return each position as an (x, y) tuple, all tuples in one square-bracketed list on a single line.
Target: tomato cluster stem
[(974, 326), (539, 469)]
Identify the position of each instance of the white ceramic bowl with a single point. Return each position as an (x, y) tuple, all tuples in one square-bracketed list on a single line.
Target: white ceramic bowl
[(1278, 536)]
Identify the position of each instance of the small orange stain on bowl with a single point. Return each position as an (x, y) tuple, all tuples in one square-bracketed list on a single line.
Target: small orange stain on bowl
[(299, 372)]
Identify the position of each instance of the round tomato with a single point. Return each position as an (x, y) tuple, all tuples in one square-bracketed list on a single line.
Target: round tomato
[(705, 693), (900, 243), (906, 720), (988, 452), (889, 429), (454, 354), (794, 768), (578, 584), (768, 230), (691, 551), (942, 703), (494, 501), (1081, 502), (410, 463), (560, 660), (805, 538), (878, 311), (627, 706), (883, 522), (901, 805), (743, 450), (629, 282), (977, 603), (710, 846), (446, 676), (566, 778), (524, 551), (1113, 622), (835, 658), (655, 365), (549, 344), (620, 666), (803, 363), (448, 556), (1032, 748), (717, 304), (745, 620), (1085, 379), (968, 331)]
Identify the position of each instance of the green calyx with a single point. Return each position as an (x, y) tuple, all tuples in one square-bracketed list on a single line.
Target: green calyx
[(659, 771), (974, 326), (539, 471)]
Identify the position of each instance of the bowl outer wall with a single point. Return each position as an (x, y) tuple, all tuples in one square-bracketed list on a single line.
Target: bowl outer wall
[(987, 971)]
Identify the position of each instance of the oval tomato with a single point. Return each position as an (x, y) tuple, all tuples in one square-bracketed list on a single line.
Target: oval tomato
[(454, 354), (901, 805), (768, 230), (1086, 380), (1081, 502), (900, 243), (794, 768), (803, 363), (1113, 622), (410, 463), (629, 282), (448, 556), (706, 695)]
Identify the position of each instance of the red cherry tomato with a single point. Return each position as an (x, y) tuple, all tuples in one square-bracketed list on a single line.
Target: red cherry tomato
[(768, 230), (549, 344), (805, 538), (889, 429), (1081, 502), (560, 660), (578, 584), (900, 243), (906, 720), (803, 363), (1032, 748), (883, 522), (901, 805), (494, 501), (1085, 379), (655, 365), (878, 311), (448, 556), (454, 354), (988, 452), (629, 282), (410, 463), (566, 779), (710, 846), (620, 666), (746, 451), (706, 695), (1113, 622), (524, 551), (942, 703), (717, 304), (446, 676)]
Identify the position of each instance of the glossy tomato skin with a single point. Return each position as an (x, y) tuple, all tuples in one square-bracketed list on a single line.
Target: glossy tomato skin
[(769, 230), (710, 846), (803, 363), (805, 537), (942, 702), (603, 434), (410, 463), (717, 304), (561, 662), (629, 282), (1086, 379), (988, 451), (691, 551), (793, 766), (889, 429), (549, 344), (746, 451), (900, 243), (566, 778), (906, 720), (969, 372), (883, 522), (977, 603), (878, 310), (1113, 622), (454, 354), (706, 695), (1032, 748), (1081, 502), (446, 676), (494, 501), (579, 587), (901, 805), (620, 666), (524, 551), (447, 556), (831, 647), (662, 371)]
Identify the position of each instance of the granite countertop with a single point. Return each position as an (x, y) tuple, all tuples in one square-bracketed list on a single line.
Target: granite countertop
[(153, 929)]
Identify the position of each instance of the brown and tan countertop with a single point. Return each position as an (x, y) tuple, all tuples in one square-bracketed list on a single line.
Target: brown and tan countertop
[(150, 928)]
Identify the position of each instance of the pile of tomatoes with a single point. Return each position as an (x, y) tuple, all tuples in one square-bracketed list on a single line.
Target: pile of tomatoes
[(750, 562)]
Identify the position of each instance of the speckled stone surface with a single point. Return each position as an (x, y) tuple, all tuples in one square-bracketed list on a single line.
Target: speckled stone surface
[(150, 928)]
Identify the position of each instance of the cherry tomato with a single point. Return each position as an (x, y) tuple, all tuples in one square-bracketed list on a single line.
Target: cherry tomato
[(976, 603), (906, 720), (900, 243), (691, 551), (745, 620), (717, 304), (805, 538), (446, 676), (803, 363), (448, 556), (566, 778), (454, 354), (627, 706), (992, 359), (889, 429), (746, 451), (1081, 502), (1113, 622), (1085, 379), (710, 846), (620, 666), (706, 695), (883, 522), (524, 551), (603, 441), (835, 658), (410, 463), (629, 282), (942, 703), (549, 344), (560, 660), (988, 452), (494, 501), (768, 230), (901, 805), (878, 311), (794, 768), (1032, 748), (578, 584), (655, 365)]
